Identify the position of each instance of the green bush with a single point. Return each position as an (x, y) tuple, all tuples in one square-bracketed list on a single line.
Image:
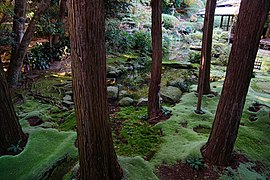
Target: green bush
[(169, 21), (116, 39), (142, 42), (40, 56), (194, 56)]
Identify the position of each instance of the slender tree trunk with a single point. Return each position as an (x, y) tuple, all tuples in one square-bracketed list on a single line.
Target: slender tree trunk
[(154, 108), (220, 144), (87, 31), (19, 20), (16, 61), (204, 72), (11, 131), (62, 11)]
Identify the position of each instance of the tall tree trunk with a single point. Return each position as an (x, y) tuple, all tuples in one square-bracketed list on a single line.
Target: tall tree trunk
[(16, 61), (11, 131), (87, 31), (204, 72), (62, 11), (154, 108), (220, 144), (19, 20)]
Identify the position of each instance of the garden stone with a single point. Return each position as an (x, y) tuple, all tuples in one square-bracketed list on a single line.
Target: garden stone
[(68, 104), (142, 102), (123, 94), (179, 83), (69, 93), (126, 101), (113, 92), (67, 98), (170, 94)]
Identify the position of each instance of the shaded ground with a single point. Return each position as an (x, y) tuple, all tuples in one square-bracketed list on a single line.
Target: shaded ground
[(185, 171)]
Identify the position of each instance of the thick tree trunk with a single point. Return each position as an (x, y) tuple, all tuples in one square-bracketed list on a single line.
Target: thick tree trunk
[(11, 131), (154, 108), (16, 61), (220, 144), (204, 71), (87, 31)]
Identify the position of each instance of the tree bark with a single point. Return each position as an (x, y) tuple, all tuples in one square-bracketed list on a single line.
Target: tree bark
[(154, 108), (204, 71), (16, 61), (220, 144), (11, 131), (19, 20), (87, 31)]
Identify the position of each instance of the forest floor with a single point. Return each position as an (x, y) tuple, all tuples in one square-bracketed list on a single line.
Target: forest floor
[(167, 150)]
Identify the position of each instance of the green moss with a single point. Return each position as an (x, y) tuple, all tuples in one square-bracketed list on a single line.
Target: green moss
[(136, 168), (244, 171), (136, 137), (44, 148), (69, 123)]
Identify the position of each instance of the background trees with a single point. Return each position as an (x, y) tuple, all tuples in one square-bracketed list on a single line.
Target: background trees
[(87, 26), (220, 144), (22, 39)]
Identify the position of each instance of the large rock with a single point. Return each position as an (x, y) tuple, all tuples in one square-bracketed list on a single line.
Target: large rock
[(126, 101), (179, 83), (113, 92), (170, 94)]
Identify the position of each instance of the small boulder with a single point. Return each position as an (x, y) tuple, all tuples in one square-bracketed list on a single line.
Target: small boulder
[(126, 101), (113, 92), (67, 98), (179, 83), (142, 102), (170, 94)]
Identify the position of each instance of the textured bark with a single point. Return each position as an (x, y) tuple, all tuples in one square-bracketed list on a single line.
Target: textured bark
[(19, 20), (220, 144), (16, 61), (204, 72), (11, 131), (87, 31), (153, 94)]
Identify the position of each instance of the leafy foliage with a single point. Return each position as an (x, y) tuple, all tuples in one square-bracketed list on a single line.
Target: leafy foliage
[(115, 8), (15, 147), (40, 56), (195, 163)]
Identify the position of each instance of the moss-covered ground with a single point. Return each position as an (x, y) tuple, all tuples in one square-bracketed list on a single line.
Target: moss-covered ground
[(141, 147)]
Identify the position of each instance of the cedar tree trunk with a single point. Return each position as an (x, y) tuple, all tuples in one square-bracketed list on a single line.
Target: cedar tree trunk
[(220, 144), (11, 131), (87, 31), (204, 72), (154, 109), (18, 54)]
